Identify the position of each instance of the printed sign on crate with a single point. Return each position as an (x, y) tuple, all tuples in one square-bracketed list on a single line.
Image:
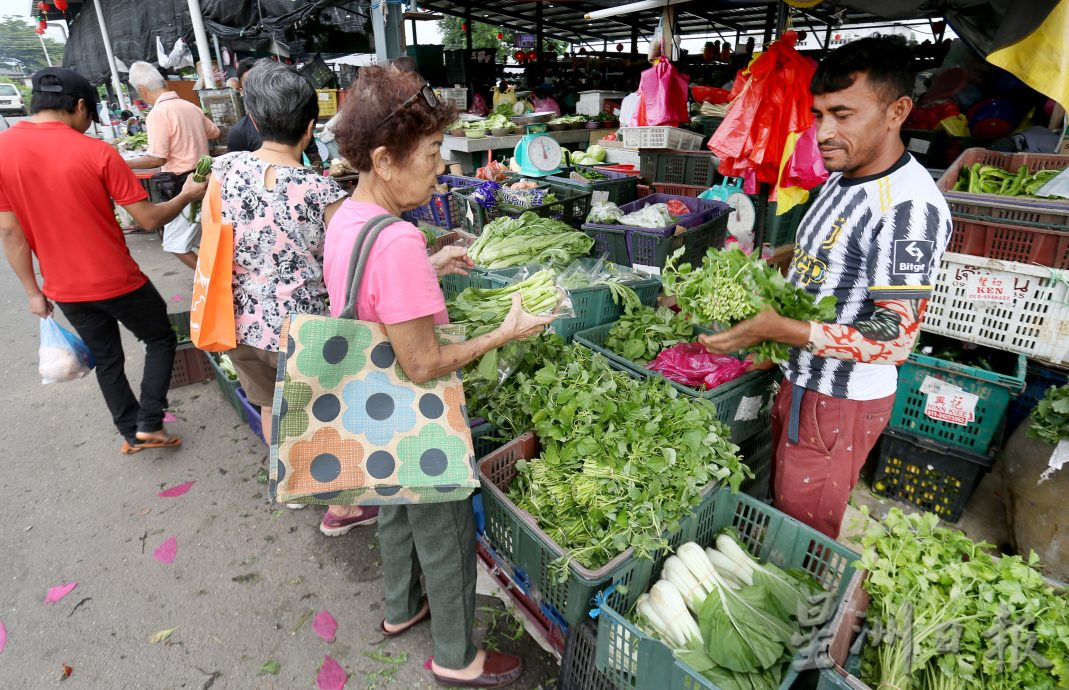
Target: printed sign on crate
[(948, 403), (990, 287)]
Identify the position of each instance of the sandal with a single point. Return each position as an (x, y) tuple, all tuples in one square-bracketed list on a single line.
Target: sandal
[(139, 445), (424, 614)]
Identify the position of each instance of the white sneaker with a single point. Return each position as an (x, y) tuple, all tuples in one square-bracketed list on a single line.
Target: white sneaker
[(296, 506)]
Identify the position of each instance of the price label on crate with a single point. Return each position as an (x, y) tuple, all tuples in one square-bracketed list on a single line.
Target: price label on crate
[(952, 405), (991, 287)]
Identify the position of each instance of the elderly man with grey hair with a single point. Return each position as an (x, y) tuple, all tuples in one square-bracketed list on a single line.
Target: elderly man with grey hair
[(178, 134)]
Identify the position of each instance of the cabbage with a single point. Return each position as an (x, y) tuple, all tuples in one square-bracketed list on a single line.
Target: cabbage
[(596, 152)]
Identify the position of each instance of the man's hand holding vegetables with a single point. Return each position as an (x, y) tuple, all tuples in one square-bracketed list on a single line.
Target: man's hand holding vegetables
[(871, 240)]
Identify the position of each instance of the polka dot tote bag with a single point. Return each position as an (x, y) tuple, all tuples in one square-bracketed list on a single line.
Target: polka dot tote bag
[(350, 428)]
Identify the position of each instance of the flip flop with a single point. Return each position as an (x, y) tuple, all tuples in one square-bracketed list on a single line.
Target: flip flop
[(424, 614), (170, 442)]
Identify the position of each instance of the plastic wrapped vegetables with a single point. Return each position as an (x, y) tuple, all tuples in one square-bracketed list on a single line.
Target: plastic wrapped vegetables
[(730, 287), (530, 238)]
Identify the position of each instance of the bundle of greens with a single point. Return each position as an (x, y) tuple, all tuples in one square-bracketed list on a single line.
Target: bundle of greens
[(498, 402), (482, 310), (743, 613), (969, 614), (1050, 416), (989, 179), (200, 174), (623, 460), (530, 238), (730, 287), (642, 333)]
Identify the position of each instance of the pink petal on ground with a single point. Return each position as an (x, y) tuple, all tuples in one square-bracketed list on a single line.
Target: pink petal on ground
[(177, 298), (3, 636), (175, 491), (427, 663), (59, 591), (325, 626), (331, 675), (166, 551), (169, 417)]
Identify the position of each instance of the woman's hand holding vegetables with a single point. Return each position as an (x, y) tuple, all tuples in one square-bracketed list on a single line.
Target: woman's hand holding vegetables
[(520, 324), (767, 325), (452, 260)]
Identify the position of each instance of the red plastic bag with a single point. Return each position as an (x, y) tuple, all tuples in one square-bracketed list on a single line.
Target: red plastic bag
[(678, 208), (692, 365), (663, 90), (478, 106)]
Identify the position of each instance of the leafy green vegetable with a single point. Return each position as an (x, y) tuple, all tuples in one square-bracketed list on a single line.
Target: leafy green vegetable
[(958, 602), (622, 459), (989, 179), (499, 401), (200, 174), (530, 238), (642, 333), (730, 287), (1050, 416)]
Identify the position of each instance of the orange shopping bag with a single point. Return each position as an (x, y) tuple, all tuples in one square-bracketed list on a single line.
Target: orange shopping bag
[(211, 320)]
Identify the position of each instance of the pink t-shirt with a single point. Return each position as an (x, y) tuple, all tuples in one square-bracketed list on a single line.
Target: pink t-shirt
[(399, 282)]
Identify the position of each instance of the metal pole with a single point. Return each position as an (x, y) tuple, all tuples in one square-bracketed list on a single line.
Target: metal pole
[(467, 20), (389, 28), (48, 58), (218, 55), (203, 49), (115, 83)]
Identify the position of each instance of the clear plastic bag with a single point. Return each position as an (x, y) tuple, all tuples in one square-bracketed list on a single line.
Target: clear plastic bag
[(63, 355), (604, 213), (692, 365)]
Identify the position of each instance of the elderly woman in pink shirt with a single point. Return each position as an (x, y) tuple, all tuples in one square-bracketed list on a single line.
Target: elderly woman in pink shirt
[(391, 131)]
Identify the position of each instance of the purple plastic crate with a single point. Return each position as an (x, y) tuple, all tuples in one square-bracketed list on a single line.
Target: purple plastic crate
[(702, 211), (443, 209), (252, 414)]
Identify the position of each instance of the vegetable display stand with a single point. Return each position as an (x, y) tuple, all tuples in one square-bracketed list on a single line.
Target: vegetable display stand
[(593, 306), (743, 404), (190, 366), (756, 453), (660, 138), (1005, 242), (932, 476), (621, 187), (570, 207), (1048, 213), (636, 661), (636, 247), (1039, 379), (679, 167), (528, 552), (444, 209), (228, 386), (577, 670), (1034, 322), (992, 389), (252, 414)]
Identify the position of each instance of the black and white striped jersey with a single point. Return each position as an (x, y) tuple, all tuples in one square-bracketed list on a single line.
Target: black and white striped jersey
[(864, 239)]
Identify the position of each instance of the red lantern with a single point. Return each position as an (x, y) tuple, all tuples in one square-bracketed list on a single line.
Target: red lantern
[(619, 47), (464, 27), (500, 36), (519, 55), (43, 6), (582, 51), (42, 25), (801, 36), (61, 5), (39, 31), (532, 56)]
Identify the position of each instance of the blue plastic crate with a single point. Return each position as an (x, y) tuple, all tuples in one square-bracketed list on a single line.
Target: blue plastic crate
[(252, 414)]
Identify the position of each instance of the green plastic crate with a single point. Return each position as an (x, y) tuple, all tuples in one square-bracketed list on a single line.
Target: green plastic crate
[(781, 230), (994, 390), (678, 167), (593, 306), (527, 552), (484, 439), (228, 387), (637, 248), (756, 453), (635, 661), (745, 419), (621, 187), (180, 324), (454, 284), (710, 124), (571, 207)]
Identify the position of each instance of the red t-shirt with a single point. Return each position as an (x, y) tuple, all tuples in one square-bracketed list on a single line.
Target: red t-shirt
[(60, 184)]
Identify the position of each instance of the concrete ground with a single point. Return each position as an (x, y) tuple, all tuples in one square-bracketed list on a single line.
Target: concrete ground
[(248, 575)]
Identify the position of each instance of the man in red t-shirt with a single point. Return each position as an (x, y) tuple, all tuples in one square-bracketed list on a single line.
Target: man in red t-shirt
[(86, 267)]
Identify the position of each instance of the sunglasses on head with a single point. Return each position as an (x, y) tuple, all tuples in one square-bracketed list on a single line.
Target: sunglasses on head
[(428, 97)]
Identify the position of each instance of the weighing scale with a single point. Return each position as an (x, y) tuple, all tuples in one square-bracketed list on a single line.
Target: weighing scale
[(538, 154), (743, 217)]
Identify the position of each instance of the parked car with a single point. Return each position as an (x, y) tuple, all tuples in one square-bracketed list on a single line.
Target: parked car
[(11, 100)]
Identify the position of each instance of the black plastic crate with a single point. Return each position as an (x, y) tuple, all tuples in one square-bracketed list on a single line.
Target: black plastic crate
[(678, 167), (932, 476), (756, 453), (577, 671)]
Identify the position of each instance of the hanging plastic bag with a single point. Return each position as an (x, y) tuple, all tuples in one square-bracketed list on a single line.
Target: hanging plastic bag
[(478, 106), (692, 365), (63, 355), (806, 166), (663, 89)]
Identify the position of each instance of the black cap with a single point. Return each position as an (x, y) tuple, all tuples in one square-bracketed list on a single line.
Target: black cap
[(70, 83)]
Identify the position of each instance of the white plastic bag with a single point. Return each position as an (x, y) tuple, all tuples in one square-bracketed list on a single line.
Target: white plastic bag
[(63, 355)]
